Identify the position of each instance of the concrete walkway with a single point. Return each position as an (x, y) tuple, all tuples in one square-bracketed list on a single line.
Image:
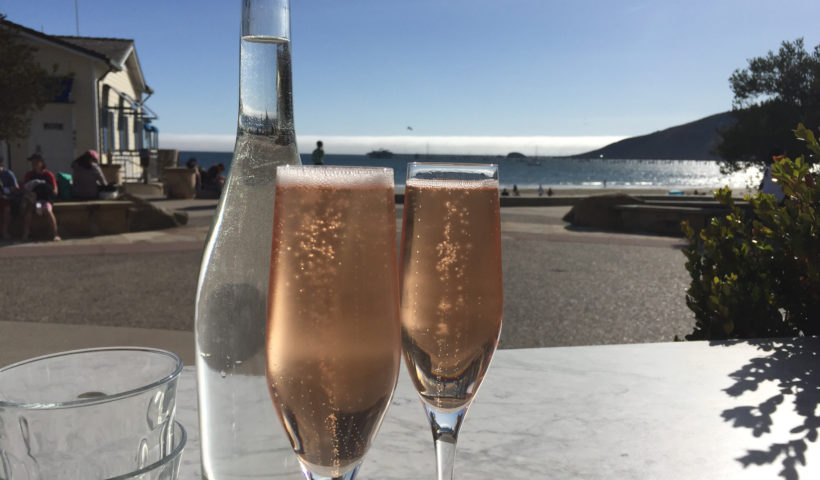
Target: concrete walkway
[(562, 287), (22, 340)]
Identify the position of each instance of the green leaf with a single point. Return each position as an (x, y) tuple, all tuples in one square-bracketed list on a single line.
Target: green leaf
[(746, 269)]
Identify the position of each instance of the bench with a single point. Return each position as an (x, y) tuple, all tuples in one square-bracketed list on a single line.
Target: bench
[(79, 219), (96, 217), (703, 203), (665, 219)]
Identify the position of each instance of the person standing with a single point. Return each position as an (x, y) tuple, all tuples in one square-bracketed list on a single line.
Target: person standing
[(145, 162), (194, 165), (318, 154), (41, 187), (10, 188)]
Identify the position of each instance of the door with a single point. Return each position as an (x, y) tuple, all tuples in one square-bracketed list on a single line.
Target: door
[(52, 133)]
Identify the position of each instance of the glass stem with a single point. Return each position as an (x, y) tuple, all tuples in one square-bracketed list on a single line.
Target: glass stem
[(445, 455), (445, 427), (347, 476)]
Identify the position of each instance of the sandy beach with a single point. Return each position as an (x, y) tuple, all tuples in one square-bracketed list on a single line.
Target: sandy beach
[(637, 191)]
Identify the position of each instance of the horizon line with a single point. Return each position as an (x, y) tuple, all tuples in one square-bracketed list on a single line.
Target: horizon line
[(432, 144)]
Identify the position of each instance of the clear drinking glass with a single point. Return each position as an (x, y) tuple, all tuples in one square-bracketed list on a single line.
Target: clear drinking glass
[(451, 294), (332, 341), (167, 468), (90, 414)]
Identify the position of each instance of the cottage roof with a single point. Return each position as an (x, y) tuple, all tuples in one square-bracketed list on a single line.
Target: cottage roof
[(118, 53), (115, 50), (50, 38)]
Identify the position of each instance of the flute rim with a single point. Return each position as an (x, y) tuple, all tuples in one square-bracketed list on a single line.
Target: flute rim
[(454, 164), (336, 167)]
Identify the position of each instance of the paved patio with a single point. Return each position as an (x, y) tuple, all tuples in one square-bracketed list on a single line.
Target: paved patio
[(562, 287)]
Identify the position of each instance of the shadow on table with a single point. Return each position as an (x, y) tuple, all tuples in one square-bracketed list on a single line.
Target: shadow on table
[(792, 365)]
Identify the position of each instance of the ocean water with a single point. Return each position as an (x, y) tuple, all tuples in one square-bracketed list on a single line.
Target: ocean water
[(550, 172)]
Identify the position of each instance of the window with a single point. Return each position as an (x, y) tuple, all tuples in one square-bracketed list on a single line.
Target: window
[(139, 134), (122, 124), (108, 131)]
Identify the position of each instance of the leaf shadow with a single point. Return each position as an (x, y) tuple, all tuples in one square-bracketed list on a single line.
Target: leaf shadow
[(791, 364)]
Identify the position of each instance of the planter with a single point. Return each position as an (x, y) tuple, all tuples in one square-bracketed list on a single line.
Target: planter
[(180, 182), (112, 173)]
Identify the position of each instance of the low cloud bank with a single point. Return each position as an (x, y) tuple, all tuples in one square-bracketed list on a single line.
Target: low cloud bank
[(464, 145)]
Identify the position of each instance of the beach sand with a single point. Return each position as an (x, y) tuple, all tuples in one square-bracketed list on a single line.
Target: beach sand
[(558, 192), (635, 191)]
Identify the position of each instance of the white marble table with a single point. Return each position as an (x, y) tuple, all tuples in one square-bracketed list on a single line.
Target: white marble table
[(650, 411)]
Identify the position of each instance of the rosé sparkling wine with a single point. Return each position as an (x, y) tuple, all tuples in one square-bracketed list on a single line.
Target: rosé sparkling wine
[(333, 342), (451, 295), (451, 287)]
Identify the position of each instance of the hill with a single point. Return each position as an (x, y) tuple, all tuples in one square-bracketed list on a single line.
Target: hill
[(691, 141)]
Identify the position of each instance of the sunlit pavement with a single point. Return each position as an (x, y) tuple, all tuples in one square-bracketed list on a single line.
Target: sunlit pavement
[(561, 286)]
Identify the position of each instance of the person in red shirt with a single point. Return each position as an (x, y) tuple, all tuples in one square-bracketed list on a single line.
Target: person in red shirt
[(41, 187)]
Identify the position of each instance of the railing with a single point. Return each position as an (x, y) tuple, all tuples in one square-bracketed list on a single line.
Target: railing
[(131, 170)]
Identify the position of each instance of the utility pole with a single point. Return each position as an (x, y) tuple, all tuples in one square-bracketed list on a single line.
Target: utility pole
[(77, 17)]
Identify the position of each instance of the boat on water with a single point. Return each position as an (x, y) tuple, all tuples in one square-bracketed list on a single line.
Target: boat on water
[(382, 153)]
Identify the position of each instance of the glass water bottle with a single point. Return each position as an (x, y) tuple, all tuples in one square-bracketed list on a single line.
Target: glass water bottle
[(240, 435)]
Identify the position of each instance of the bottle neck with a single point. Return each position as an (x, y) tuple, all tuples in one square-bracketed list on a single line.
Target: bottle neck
[(265, 79), (266, 89)]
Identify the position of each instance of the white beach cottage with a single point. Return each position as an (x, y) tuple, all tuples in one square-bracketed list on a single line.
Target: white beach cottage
[(101, 105)]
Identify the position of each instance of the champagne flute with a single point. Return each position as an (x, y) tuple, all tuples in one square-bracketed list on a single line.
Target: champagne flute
[(333, 342), (451, 295)]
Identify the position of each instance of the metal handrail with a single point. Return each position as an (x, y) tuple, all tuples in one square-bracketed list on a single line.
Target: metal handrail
[(131, 170)]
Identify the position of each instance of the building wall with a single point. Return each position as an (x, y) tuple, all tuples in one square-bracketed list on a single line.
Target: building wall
[(122, 137), (61, 130), (122, 82)]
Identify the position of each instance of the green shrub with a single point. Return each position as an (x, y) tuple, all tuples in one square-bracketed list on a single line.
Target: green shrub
[(756, 271)]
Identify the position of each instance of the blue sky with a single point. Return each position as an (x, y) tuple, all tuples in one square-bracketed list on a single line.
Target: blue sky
[(579, 73)]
